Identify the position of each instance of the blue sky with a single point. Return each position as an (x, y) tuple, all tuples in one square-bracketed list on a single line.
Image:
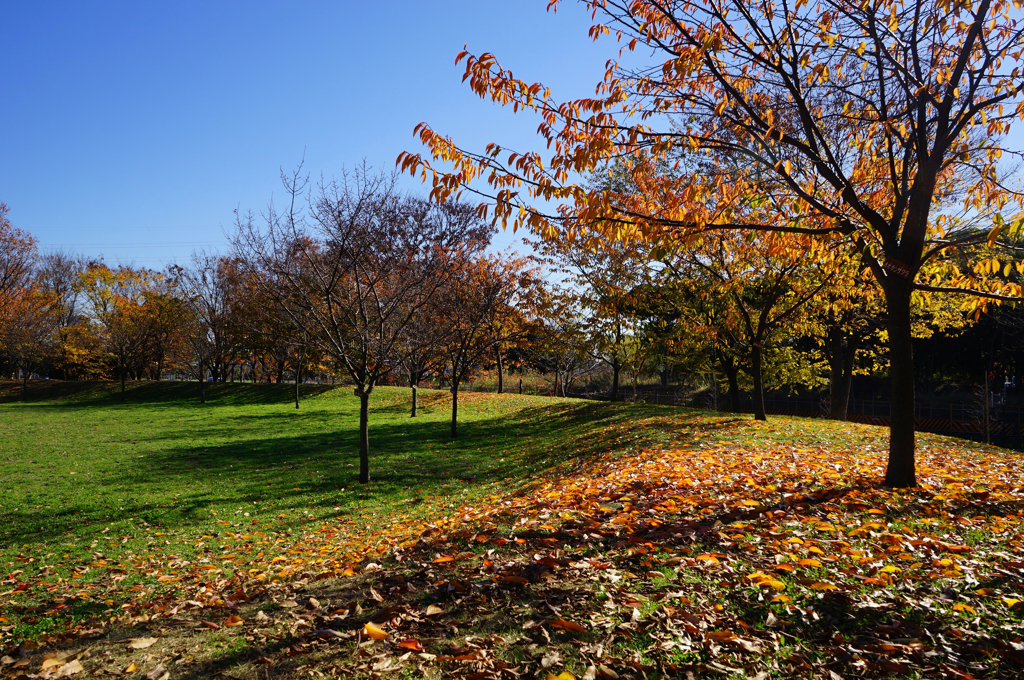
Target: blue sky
[(149, 122)]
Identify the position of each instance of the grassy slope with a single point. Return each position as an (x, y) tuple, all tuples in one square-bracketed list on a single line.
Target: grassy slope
[(555, 535)]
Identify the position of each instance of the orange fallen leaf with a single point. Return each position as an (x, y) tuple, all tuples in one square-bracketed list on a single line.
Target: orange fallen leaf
[(412, 644), (233, 621), (443, 559), (571, 626), (372, 631)]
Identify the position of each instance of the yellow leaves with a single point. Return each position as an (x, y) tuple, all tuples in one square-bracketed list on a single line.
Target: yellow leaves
[(961, 607), (889, 569), (373, 632), (1013, 603), (809, 563), (564, 675), (822, 585), (707, 558), (233, 621), (764, 581), (781, 599)]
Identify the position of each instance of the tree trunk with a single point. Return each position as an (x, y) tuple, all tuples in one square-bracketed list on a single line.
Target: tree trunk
[(455, 408), (202, 383), (298, 381), (364, 436), (24, 385), (755, 373), (501, 375), (900, 469), (731, 371), (122, 384), (616, 369), (840, 360)]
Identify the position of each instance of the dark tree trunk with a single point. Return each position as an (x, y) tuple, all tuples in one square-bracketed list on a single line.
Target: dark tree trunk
[(755, 373), (455, 408), (616, 369), (202, 383), (298, 381), (364, 436), (24, 385), (900, 470), (501, 375), (732, 371), (122, 383), (840, 359), (414, 379)]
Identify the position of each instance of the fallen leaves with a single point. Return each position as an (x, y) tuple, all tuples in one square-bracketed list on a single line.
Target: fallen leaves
[(679, 552), (373, 632)]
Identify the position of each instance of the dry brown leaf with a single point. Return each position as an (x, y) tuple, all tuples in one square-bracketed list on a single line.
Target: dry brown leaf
[(142, 643)]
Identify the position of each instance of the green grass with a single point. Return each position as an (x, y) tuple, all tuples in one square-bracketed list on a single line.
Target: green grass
[(86, 474), (609, 515)]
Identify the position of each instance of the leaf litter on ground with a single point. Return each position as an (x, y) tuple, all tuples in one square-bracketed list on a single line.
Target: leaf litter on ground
[(732, 547)]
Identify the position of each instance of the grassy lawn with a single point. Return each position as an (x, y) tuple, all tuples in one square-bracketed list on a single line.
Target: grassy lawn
[(555, 536)]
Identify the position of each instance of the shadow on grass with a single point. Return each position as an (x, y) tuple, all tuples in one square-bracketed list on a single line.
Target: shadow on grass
[(307, 459)]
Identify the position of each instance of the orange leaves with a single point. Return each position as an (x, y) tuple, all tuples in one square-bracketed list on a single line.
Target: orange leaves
[(568, 626), (411, 644), (371, 631)]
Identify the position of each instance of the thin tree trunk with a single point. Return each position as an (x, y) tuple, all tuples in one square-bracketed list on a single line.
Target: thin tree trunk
[(731, 371), (24, 385), (202, 383), (840, 361), (298, 380), (616, 369), (455, 407), (364, 437), (755, 370), (122, 384), (501, 375), (413, 375), (900, 470)]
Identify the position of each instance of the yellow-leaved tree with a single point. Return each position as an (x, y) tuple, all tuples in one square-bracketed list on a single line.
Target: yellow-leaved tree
[(877, 124)]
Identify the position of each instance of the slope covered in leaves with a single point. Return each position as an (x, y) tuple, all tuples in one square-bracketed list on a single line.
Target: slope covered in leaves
[(658, 544)]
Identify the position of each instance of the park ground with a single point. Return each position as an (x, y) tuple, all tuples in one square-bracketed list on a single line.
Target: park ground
[(161, 538)]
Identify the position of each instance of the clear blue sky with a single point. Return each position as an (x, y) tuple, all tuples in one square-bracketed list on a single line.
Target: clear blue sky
[(149, 122)]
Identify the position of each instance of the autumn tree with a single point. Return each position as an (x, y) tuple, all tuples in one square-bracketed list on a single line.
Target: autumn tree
[(875, 123), (126, 306), (352, 264), (477, 297), (602, 275), (17, 258)]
